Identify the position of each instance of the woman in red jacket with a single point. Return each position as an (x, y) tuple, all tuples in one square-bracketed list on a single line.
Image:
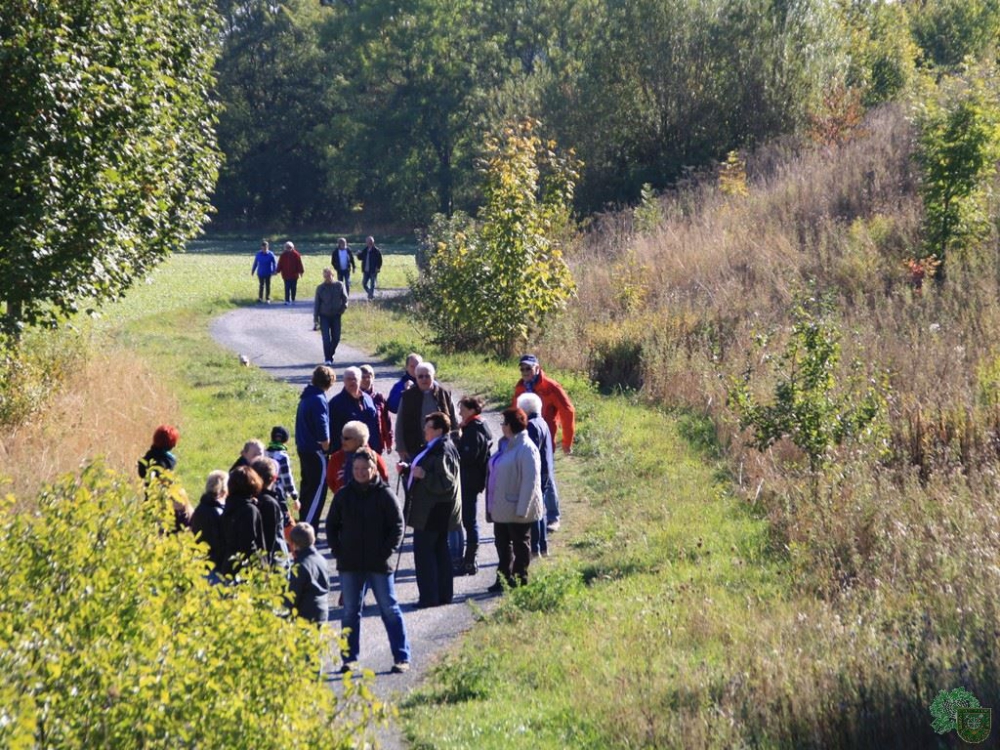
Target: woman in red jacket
[(291, 270)]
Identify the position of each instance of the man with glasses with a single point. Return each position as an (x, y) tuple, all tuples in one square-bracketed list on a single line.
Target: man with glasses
[(415, 404), (557, 410)]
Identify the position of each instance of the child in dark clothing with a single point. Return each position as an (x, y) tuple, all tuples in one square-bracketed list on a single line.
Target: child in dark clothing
[(309, 582)]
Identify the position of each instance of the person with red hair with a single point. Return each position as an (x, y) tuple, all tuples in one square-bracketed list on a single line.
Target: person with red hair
[(159, 457), (159, 460)]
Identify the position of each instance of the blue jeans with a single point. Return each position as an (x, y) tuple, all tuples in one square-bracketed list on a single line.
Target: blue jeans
[(539, 537), (368, 282), (345, 276), (432, 563), (551, 497), (329, 326), (352, 585)]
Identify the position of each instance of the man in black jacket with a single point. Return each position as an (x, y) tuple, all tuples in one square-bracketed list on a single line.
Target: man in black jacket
[(371, 263), (364, 529)]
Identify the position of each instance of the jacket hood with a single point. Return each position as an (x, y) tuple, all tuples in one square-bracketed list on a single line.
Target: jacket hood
[(311, 390)]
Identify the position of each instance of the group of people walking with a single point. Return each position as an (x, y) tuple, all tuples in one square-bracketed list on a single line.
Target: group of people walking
[(289, 265), (256, 515)]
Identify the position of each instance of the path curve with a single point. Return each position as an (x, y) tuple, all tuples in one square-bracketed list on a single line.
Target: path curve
[(279, 339)]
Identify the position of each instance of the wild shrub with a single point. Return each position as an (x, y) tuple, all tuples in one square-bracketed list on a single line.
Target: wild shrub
[(959, 144), (648, 215), (112, 637), (488, 283), (807, 407)]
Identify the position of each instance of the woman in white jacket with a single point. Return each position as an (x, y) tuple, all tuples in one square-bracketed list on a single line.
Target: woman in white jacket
[(514, 499)]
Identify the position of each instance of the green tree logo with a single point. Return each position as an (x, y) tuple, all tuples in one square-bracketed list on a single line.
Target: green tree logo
[(945, 707)]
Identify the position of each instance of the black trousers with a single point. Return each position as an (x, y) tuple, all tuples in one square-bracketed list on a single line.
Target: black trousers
[(513, 541), (264, 287), (312, 488), (291, 285)]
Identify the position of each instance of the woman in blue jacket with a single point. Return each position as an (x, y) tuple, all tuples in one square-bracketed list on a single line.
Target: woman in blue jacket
[(265, 265)]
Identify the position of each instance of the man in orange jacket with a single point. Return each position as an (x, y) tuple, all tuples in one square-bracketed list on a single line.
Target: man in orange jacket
[(557, 410)]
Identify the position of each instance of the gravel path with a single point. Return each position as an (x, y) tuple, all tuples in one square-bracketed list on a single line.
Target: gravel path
[(279, 339)]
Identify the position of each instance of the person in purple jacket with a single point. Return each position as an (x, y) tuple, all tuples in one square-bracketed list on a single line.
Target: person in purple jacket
[(265, 265)]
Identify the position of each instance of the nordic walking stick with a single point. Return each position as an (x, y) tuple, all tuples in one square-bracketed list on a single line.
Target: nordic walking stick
[(406, 522)]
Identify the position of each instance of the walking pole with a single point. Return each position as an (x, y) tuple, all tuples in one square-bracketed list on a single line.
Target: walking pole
[(406, 522)]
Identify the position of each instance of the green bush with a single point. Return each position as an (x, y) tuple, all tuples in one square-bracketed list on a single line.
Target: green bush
[(959, 144), (112, 637), (487, 284), (809, 408)]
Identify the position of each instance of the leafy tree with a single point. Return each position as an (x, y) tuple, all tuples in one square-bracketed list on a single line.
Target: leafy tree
[(112, 637), (883, 55), (412, 74), (278, 123), (950, 31), (666, 85), (808, 408), (959, 144), (489, 283), (107, 151)]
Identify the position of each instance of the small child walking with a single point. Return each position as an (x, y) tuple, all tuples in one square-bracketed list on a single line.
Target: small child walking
[(277, 449), (309, 582)]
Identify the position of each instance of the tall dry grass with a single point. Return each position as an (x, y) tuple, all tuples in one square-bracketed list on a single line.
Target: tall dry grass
[(900, 537), (107, 406)]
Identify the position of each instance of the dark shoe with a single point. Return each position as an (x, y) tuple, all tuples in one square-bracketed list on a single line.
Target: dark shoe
[(496, 588), (425, 605), (400, 667), (346, 667), (471, 568)]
